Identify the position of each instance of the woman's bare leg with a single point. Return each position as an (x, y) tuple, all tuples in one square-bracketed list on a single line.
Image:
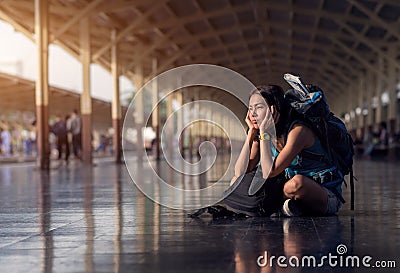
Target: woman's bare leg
[(308, 192)]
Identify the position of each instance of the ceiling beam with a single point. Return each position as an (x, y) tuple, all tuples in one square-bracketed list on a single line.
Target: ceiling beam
[(114, 5), (313, 32), (210, 26), (263, 24), (126, 30), (82, 13), (310, 68), (257, 39), (362, 60), (388, 27), (281, 6), (317, 78), (271, 25), (371, 45), (173, 21), (183, 52), (390, 2), (244, 42), (282, 63), (147, 51), (17, 26), (15, 89), (8, 83), (343, 77)]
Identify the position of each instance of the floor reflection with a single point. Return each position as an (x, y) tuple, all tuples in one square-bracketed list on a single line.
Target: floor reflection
[(95, 220), (260, 239), (219, 169), (118, 220), (89, 218), (44, 209)]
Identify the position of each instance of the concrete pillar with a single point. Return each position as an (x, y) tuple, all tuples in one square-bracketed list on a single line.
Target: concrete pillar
[(392, 113), (346, 111), (197, 125), (225, 124), (170, 129), (42, 84), (116, 104), (201, 124), (370, 76), (217, 135), (191, 129), (339, 107), (229, 129), (139, 107), (351, 106), (378, 91), (214, 127), (362, 97), (44, 200), (86, 100), (360, 103), (335, 106), (221, 132), (156, 113), (209, 124), (397, 105), (179, 97), (118, 218), (185, 119)]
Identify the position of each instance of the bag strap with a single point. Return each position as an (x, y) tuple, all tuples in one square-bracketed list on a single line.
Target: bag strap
[(351, 189), (312, 156), (292, 124), (306, 154)]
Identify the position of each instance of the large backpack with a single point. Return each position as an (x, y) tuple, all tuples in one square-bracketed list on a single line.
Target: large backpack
[(310, 102), (238, 202)]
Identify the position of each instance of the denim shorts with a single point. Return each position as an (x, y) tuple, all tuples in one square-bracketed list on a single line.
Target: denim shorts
[(334, 203)]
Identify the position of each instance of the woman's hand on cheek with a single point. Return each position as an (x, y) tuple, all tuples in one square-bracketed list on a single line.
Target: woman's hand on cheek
[(248, 120), (252, 129), (275, 114), (268, 124)]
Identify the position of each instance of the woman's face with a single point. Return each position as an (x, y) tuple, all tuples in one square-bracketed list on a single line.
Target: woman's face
[(258, 108)]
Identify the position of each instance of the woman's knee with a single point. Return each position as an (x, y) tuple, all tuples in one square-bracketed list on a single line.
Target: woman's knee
[(293, 187)]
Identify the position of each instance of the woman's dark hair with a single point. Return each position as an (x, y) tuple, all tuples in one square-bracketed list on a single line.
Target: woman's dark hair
[(274, 95)]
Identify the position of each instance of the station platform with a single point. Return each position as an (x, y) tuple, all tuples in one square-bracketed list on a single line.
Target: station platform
[(93, 219)]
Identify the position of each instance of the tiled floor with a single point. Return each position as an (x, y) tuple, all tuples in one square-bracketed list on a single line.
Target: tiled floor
[(80, 219)]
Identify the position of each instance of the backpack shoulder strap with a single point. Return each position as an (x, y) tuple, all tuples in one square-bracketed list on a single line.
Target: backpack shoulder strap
[(306, 154), (351, 189), (292, 124)]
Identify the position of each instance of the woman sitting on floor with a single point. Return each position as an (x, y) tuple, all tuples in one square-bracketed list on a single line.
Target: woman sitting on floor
[(286, 152)]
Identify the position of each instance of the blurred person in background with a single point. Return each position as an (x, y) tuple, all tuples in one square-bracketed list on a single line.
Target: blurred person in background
[(5, 142), (74, 126), (59, 129), (380, 139)]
